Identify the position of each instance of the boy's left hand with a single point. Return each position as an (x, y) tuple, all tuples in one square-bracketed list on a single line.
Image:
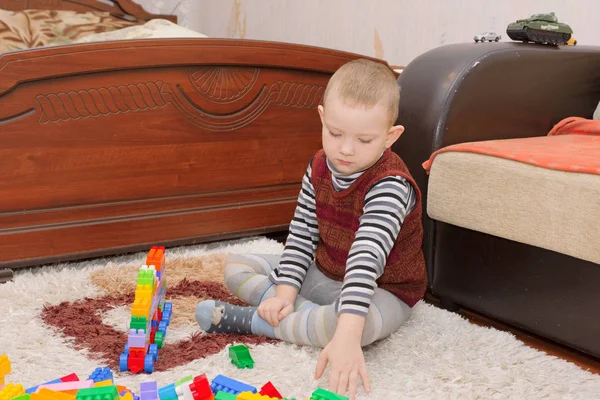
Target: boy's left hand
[(347, 363)]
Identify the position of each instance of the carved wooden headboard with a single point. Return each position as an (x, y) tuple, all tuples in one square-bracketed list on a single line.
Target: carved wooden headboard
[(126, 9)]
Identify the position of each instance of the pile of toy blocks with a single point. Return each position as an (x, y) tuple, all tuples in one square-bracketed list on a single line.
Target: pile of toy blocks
[(150, 315), (100, 385)]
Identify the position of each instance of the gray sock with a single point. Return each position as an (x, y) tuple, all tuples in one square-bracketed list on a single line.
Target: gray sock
[(219, 317)]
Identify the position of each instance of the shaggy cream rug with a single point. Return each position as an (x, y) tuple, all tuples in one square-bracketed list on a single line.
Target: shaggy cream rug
[(73, 317)]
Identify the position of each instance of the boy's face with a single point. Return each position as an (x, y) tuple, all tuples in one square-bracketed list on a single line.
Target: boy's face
[(354, 137)]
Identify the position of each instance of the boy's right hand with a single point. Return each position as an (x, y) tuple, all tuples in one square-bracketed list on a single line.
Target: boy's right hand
[(274, 310)]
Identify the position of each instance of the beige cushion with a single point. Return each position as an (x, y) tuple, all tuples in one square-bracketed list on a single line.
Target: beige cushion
[(555, 210)]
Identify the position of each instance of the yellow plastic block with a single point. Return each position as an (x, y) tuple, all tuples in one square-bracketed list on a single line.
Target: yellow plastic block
[(47, 394), (11, 390), (4, 368), (126, 396), (142, 302), (107, 382), (253, 396)]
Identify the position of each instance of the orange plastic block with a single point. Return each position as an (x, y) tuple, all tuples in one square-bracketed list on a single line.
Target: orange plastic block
[(47, 394), (156, 257), (11, 390)]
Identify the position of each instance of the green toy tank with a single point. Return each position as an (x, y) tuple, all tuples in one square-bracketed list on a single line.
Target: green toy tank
[(540, 28)]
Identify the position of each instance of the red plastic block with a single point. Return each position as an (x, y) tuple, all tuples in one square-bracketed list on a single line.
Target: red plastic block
[(201, 388), (135, 362), (70, 378), (269, 390)]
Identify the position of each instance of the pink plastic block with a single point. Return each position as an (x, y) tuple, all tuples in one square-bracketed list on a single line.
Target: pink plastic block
[(63, 386), (136, 339)]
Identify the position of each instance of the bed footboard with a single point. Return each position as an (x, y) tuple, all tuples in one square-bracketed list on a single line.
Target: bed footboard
[(113, 147)]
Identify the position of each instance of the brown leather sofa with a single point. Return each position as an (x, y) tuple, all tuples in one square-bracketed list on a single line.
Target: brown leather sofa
[(472, 92)]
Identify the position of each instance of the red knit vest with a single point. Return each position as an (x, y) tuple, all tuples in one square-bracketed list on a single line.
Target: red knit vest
[(338, 216)]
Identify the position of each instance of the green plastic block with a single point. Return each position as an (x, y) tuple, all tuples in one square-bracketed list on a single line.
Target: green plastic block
[(98, 393), (240, 356), (225, 396), (183, 380), (159, 341), (25, 396), (138, 323), (146, 277), (322, 394)]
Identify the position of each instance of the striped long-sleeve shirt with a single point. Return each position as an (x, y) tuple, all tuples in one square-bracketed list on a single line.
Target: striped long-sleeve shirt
[(386, 205)]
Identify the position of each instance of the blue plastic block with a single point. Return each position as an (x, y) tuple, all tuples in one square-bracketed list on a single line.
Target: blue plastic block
[(102, 374), (228, 385), (167, 392), (33, 389)]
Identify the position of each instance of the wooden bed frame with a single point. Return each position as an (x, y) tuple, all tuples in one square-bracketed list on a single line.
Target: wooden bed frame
[(113, 147)]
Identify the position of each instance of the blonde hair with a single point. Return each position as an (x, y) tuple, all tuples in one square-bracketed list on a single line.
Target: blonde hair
[(365, 82)]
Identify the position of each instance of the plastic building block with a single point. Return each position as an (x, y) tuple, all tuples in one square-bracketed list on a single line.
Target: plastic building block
[(24, 396), (11, 390), (322, 394), (64, 386), (148, 391), (156, 257), (146, 276), (47, 394), (69, 378), (269, 390), (4, 368), (240, 356), (228, 385), (33, 389), (201, 389), (167, 392), (254, 396), (225, 396), (98, 393), (108, 382), (138, 323), (137, 338), (102, 374)]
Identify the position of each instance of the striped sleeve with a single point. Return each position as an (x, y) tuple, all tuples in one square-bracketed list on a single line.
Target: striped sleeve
[(301, 244), (386, 205)]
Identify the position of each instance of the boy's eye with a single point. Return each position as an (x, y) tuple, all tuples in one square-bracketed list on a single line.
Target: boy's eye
[(335, 134), (365, 141)]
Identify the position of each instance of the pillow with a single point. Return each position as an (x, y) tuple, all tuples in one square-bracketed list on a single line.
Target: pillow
[(27, 29), (156, 28)]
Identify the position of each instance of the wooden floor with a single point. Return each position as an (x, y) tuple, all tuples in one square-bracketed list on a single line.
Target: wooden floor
[(584, 361)]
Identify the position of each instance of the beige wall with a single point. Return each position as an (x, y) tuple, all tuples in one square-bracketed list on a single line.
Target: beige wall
[(396, 30)]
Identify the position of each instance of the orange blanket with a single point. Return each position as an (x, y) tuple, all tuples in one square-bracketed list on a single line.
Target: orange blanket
[(572, 145)]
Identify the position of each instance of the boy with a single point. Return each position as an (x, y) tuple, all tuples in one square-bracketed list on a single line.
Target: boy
[(352, 267)]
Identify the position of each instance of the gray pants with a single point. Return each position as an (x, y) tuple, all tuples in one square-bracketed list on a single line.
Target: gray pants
[(314, 320)]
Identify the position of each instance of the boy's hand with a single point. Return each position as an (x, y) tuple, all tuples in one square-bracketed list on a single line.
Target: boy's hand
[(345, 357), (274, 310)]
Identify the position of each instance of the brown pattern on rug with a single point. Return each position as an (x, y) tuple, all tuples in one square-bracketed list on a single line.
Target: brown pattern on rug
[(116, 280), (81, 322)]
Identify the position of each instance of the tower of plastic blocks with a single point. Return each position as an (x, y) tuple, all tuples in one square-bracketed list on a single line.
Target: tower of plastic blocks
[(150, 316)]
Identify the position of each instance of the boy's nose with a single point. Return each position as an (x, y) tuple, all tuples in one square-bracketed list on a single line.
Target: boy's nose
[(347, 149)]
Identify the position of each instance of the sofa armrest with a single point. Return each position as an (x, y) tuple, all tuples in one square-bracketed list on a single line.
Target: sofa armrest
[(482, 91)]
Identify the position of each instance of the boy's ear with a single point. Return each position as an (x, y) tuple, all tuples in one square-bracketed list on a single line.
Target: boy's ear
[(393, 135), (320, 109)]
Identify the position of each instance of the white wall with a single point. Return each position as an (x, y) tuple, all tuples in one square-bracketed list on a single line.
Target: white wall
[(396, 30)]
